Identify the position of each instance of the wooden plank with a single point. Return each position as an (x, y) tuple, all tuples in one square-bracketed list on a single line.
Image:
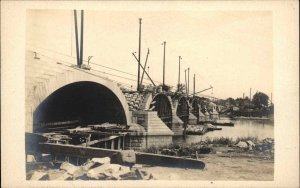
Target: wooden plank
[(75, 151), (97, 141), (168, 161), (141, 158)]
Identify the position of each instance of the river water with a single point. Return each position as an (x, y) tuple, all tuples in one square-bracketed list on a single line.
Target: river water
[(242, 128)]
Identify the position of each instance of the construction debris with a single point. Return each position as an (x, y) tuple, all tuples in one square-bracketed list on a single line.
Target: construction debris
[(94, 169), (125, 157), (104, 160), (68, 167), (38, 175)]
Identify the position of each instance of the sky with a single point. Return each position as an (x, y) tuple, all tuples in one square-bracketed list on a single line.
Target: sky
[(230, 50)]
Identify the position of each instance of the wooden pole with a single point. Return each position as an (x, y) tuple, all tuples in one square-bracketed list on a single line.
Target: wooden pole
[(179, 75), (144, 67), (188, 80), (81, 38), (250, 104), (185, 81), (139, 59), (164, 61), (194, 85), (76, 38)]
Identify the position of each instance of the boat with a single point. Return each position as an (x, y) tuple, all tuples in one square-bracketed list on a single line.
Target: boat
[(223, 123), (196, 130), (200, 129), (211, 127)]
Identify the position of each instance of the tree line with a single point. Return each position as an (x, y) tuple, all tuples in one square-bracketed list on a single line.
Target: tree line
[(260, 105)]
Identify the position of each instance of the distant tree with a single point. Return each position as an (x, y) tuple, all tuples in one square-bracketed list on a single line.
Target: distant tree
[(242, 103), (260, 100), (239, 102), (230, 101)]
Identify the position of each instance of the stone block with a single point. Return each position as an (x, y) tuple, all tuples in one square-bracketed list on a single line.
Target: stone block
[(98, 172), (242, 144), (68, 167), (37, 175), (125, 157), (104, 160), (136, 166), (88, 165), (250, 143), (108, 171), (58, 175)]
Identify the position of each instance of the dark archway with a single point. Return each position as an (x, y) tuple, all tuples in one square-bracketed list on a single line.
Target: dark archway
[(85, 101), (183, 109), (195, 102), (162, 105)]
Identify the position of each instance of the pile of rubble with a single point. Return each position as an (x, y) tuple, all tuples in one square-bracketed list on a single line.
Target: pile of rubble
[(93, 169), (263, 147)]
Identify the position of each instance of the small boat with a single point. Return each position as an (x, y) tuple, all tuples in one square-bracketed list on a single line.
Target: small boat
[(223, 123), (196, 130), (211, 127)]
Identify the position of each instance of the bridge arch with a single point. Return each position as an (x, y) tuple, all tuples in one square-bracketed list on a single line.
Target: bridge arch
[(163, 105), (182, 110), (76, 86), (85, 102), (195, 104)]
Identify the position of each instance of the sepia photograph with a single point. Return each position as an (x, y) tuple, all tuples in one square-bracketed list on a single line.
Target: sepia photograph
[(149, 95)]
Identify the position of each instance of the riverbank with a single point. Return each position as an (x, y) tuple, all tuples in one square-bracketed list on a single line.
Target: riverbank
[(242, 145), (220, 167), (250, 118), (225, 159)]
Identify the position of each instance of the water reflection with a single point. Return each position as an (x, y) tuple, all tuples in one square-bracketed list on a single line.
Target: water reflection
[(242, 128)]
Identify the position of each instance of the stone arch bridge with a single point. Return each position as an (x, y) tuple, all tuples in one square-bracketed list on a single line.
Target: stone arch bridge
[(59, 92)]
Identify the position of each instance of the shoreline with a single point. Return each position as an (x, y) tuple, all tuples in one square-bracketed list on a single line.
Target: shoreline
[(220, 168), (250, 118), (249, 160)]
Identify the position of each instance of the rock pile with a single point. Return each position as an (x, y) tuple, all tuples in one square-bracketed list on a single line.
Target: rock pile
[(94, 169)]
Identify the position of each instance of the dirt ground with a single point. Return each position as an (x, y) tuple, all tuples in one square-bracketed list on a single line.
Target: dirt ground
[(220, 168)]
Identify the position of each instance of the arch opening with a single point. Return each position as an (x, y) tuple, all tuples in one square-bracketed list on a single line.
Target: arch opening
[(83, 103), (163, 107), (196, 107), (183, 109)]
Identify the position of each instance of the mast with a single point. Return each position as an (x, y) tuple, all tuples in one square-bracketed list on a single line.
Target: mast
[(179, 74), (140, 31), (164, 43), (76, 38), (194, 85), (81, 38), (185, 81), (188, 80), (144, 67), (250, 104)]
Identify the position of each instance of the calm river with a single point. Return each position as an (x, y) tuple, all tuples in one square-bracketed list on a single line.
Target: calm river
[(242, 128)]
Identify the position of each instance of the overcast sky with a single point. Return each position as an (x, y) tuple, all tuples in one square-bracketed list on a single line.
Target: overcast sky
[(232, 51)]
